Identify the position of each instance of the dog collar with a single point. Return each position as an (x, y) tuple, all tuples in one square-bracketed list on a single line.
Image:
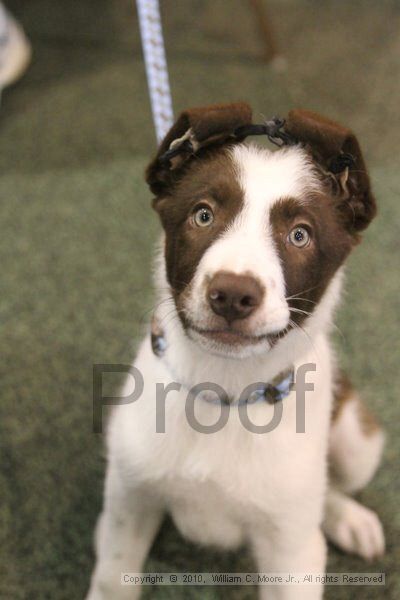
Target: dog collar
[(272, 392)]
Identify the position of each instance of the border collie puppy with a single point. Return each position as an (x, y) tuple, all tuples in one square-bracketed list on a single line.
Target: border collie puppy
[(246, 432)]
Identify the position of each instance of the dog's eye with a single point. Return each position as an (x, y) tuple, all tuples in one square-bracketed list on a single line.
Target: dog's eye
[(299, 237), (203, 217)]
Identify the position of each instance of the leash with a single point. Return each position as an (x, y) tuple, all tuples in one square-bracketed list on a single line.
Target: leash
[(156, 66)]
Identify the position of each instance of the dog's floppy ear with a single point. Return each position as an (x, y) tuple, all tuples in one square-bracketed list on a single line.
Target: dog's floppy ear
[(336, 150), (194, 130)]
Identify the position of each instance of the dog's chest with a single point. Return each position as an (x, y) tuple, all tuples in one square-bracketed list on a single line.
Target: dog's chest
[(217, 486), (204, 513), (217, 491)]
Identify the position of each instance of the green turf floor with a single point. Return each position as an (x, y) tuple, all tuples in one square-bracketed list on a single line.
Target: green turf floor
[(76, 247)]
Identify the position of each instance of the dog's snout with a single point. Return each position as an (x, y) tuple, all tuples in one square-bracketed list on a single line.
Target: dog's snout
[(234, 296)]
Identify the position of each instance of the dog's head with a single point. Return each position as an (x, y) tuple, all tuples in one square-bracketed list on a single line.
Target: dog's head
[(254, 237)]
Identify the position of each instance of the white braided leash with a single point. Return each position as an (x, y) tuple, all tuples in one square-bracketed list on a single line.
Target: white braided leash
[(156, 65)]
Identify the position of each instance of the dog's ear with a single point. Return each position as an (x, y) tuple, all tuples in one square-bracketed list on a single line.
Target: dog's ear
[(195, 129), (337, 152)]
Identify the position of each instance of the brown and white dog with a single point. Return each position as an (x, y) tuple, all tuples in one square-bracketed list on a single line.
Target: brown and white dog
[(248, 276)]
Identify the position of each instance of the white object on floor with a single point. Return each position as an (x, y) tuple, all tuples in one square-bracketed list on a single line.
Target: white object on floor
[(15, 49)]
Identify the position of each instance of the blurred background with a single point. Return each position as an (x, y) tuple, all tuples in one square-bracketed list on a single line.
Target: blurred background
[(76, 238)]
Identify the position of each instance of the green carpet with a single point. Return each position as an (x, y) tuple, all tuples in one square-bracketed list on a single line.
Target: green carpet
[(76, 250)]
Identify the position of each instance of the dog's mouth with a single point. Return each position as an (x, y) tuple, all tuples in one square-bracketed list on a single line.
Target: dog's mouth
[(232, 337)]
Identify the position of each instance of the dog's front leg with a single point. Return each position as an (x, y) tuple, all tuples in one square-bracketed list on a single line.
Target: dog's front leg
[(124, 534), (290, 558)]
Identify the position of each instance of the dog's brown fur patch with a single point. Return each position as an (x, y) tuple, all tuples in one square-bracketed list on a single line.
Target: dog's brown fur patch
[(309, 270), (211, 181), (368, 421), (344, 392), (210, 126), (327, 141)]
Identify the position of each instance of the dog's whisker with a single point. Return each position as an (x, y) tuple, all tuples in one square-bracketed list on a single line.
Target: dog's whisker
[(337, 328), (310, 289), (301, 299), (170, 313), (300, 311), (153, 308)]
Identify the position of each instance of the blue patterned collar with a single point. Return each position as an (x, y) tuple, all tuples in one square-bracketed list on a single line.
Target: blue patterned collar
[(272, 392)]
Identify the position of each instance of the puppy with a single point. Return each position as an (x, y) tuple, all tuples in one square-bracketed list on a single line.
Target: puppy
[(243, 407)]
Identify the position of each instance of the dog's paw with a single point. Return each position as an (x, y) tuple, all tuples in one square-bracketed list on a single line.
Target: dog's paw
[(355, 529), (101, 590)]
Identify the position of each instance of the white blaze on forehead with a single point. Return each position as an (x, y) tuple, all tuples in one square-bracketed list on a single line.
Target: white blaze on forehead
[(267, 177)]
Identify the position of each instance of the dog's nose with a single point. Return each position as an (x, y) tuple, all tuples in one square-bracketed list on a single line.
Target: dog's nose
[(234, 296)]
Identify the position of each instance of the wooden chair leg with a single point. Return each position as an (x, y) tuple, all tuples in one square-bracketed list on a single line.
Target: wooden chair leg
[(265, 28)]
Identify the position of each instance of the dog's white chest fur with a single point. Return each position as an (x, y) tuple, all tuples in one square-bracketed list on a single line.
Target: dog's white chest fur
[(217, 486)]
